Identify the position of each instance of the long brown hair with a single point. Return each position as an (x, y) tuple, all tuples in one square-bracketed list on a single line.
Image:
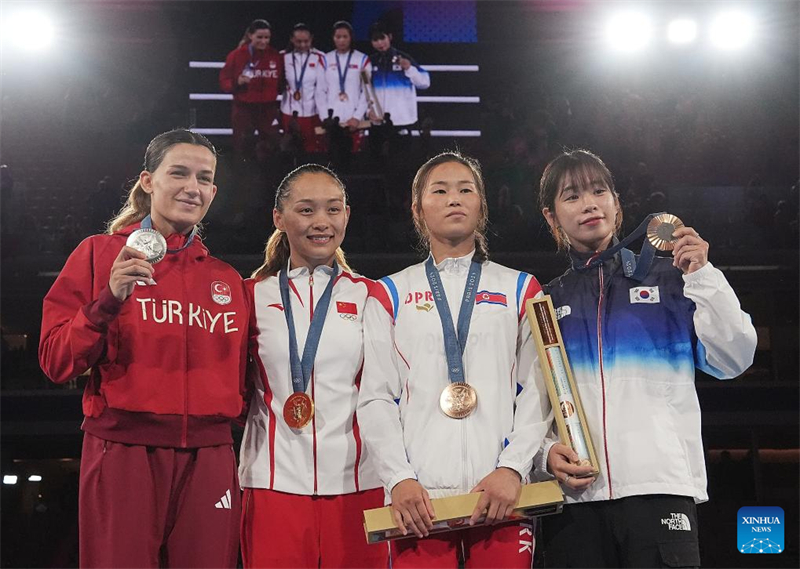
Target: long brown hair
[(578, 165), (418, 189), (254, 26), (137, 207), (277, 251)]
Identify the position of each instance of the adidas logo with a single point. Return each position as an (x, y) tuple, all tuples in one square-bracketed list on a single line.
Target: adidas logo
[(225, 501)]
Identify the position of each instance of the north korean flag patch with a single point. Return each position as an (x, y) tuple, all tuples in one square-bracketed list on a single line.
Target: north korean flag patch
[(347, 310), (488, 297)]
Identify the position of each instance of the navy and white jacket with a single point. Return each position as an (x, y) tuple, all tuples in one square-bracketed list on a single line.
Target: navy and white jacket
[(634, 348), (395, 88)]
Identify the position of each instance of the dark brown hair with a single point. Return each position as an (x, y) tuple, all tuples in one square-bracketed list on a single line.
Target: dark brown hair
[(418, 189), (277, 251), (137, 206), (582, 166)]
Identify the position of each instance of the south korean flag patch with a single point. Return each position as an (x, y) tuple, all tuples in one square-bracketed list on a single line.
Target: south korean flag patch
[(645, 295)]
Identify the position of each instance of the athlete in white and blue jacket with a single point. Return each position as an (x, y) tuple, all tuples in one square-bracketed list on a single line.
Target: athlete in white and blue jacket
[(633, 347), (420, 451), (395, 77), (345, 91)]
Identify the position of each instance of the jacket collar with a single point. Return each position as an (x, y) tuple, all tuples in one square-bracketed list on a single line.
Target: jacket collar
[(454, 264), (584, 261), (298, 272)]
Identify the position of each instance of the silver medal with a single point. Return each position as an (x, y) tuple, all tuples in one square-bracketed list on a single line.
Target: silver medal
[(150, 242)]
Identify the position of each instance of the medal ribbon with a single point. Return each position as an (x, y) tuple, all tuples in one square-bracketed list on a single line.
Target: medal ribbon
[(633, 269), (454, 342), (298, 83), (343, 76), (147, 223), (301, 370), (251, 49)]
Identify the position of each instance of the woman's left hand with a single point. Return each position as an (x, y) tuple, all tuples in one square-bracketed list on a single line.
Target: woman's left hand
[(690, 252), (500, 494)]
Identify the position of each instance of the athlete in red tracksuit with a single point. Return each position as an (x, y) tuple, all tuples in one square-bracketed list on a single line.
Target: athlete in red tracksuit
[(253, 73), (158, 480)]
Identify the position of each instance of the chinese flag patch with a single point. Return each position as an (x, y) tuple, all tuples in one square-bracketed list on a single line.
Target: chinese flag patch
[(346, 308)]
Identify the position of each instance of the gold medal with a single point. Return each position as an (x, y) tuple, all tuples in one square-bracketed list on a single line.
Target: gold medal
[(660, 230), (298, 95), (298, 410), (343, 96), (458, 400)]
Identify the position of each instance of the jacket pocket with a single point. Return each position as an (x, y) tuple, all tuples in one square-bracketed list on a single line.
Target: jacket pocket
[(679, 553)]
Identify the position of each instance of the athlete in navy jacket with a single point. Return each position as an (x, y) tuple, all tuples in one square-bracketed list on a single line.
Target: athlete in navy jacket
[(633, 346)]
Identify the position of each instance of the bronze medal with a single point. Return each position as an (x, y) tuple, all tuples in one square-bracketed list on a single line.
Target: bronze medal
[(150, 242), (458, 400), (660, 230), (298, 410), (298, 95), (343, 96)]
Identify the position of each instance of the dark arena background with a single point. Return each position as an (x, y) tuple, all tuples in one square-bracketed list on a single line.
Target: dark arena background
[(698, 118)]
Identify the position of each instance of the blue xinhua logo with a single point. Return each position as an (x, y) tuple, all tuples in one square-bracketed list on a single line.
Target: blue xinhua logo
[(760, 529)]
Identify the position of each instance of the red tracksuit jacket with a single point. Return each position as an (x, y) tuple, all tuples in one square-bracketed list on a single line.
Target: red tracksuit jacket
[(267, 71), (167, 364)]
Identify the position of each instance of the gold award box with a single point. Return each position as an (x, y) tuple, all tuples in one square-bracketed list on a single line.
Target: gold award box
[(453, 512), (571, 421)]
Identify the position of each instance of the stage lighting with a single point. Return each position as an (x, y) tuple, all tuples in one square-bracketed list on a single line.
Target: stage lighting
[(34, 478), (9, 479), (629, 32), (682, 31), (29, 30), (731, 30)]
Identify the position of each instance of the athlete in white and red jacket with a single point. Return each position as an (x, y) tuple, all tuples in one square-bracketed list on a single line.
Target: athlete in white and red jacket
[(420, 451), (166, 362), (326, 458), (305, 92), (294, 473)]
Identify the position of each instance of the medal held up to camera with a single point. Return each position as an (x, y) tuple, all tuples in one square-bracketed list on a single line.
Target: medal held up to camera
[(149, 241), (561, 388)]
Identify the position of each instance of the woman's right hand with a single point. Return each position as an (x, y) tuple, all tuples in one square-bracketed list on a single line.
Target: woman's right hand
[(562, 462), (243, 79), (129, 266), (412, 508)]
